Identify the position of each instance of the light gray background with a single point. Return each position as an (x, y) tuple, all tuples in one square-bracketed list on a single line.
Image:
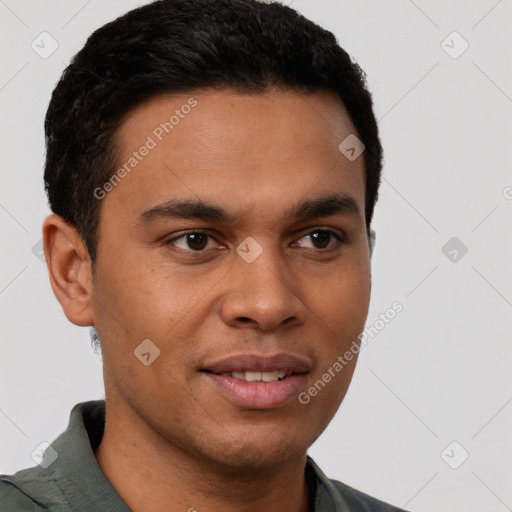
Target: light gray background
[(441, 370)]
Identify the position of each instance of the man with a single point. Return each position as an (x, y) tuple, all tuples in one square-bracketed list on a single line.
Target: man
[(213, 168)]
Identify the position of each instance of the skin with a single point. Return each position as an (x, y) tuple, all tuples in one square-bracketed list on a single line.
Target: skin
[(171, 439)]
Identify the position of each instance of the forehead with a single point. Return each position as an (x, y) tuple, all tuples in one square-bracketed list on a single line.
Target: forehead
[(226, 146)]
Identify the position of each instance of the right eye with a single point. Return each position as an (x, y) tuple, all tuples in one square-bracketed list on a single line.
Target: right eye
[(194, 241)]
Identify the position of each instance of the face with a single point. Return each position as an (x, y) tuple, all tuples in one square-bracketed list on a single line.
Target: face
[(236, 246)]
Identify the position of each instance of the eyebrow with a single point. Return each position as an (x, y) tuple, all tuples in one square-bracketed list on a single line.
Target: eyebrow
[(332, 204)]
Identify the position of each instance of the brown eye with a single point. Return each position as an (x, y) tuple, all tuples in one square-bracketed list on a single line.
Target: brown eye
[(320, 239), (196, 241), (191, 241)]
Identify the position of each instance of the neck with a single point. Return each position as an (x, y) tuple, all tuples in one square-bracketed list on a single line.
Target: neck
[(151, 474)]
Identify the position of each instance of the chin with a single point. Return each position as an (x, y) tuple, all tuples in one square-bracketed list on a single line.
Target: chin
[(250, 456)]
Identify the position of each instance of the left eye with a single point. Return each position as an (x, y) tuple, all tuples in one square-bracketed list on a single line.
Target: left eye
[(320, 239)]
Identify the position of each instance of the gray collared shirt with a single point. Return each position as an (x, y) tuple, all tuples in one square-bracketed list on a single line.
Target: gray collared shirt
[(70, 479)]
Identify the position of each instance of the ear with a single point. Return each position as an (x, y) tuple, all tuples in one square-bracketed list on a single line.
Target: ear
[(70, 269), (371, 240)]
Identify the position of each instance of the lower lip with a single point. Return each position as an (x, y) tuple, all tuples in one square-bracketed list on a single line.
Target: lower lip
[(258, 395)]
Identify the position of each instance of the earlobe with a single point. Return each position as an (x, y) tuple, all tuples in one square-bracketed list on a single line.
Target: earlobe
[(69, 268)]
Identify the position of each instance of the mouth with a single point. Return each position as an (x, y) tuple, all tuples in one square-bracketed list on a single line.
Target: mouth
[(255, 376), (254, 381)]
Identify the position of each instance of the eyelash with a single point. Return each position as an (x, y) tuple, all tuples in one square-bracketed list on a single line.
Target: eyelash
[(340, 240)]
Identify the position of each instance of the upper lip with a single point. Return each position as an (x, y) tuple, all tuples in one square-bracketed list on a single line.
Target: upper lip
[(260, 363)]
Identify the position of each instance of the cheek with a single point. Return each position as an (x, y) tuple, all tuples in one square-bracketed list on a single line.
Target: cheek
[(127, 308), (135, 291), (343, 305), (157, 301), (341, 319)]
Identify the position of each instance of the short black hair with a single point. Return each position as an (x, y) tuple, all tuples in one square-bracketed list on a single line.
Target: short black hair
[(182, 46)]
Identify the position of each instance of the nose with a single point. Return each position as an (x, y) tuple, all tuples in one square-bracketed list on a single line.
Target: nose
[(262, 295)]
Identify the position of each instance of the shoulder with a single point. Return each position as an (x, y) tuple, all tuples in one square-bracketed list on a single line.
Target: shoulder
[(31, 490), (15, 494), (359, 501), (332, 495)]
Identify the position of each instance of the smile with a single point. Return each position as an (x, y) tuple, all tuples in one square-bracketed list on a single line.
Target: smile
[(252, 376)]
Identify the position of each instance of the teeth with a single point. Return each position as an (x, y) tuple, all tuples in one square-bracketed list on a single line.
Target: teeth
[(269, 376), (257, 376), (253, 376)]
